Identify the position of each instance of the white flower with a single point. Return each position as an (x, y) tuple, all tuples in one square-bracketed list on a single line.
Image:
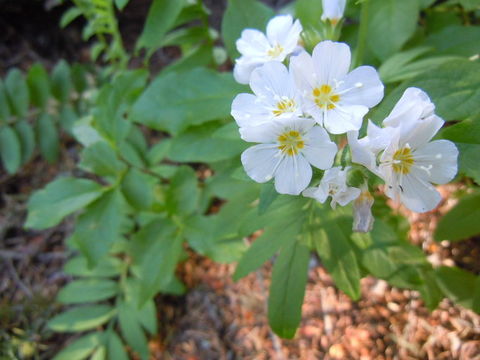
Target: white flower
[(362, 211), (287, 150), (333, 10), (333, 184), (275, 98), (411, 163), (256, 48), (336, 98)]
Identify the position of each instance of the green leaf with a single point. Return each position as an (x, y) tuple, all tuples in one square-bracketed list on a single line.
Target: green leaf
[(107, 267), (98, 227), (10, 149), (47, 207), (242, 14), (263, 248), (61, 81), (309, 12), (116, 350), (101, 159), (466, 131), (17, 92), (156, 249), (81, 318), (67, 119), (469, 158), (138, 189), (79, 77), (132, 331), (100, 354), (181, 197), (454, 87), (287, 289), (160, 19), (203, 144), (431, 293), (268, 194), (456, 40), (158, 152), (462, 221), (70, 15), (199, 95), (120, 4), (4, 105), (335, 249), (80, 348), (90, 290), (39, 85), (48, 138), (390, 25), (26, 135), (457, 284)]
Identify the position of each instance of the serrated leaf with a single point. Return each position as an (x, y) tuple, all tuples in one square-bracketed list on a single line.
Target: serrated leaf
[(87, 290), (242, 14), (199, 95), (287, 289), (39, 85), (80, 348), (48, 138), (26, 135), (461, 222), (81, 318), (10, 149), (17, 92), (48, 206)]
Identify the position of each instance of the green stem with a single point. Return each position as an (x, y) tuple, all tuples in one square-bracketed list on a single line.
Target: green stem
[(362, 35)]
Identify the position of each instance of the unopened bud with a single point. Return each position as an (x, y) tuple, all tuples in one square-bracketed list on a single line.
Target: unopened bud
[(362, 211)]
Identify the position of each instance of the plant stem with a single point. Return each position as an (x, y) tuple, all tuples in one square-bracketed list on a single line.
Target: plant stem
[(362, 35)]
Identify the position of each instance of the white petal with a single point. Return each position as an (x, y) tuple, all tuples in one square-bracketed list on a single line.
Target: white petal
[(421, 133), (293, 175), (259, 162), (263, 133), (272, 80), (413, 105), (290, 42), (361, 152), (347, 196), (319, 150), (378, 138), (333, 9), (243, 69), (348, 118), (365, 87), (418, 195), (315, 193), (278, 28), (247, 111), (436, 161), (252, 43), (301, 67), (331, 61)]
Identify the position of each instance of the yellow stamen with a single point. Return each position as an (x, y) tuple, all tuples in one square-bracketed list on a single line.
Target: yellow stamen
[(275, 51), (402, 160), (324, 97), (286, 105), (290, 142)]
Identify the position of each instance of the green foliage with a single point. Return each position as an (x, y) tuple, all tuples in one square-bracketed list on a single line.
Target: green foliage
[(32, 110)]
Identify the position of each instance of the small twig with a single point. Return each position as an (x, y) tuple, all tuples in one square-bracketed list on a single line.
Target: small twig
[(16, 278)]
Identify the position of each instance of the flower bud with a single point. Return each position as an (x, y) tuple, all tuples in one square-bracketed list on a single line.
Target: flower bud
[(362, 211)]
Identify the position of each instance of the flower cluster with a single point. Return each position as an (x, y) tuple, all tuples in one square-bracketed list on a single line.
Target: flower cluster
[(293, 110)]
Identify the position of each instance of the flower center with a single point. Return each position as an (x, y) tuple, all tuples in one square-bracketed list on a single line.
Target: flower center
[(402, 161), (275, 51), (290, 142), (324, 97), (283, 106)]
